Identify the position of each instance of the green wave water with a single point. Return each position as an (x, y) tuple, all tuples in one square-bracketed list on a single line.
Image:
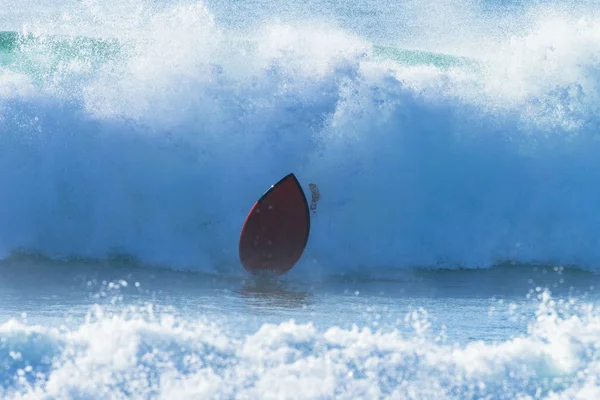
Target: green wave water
[(409, 57), (39, 55)]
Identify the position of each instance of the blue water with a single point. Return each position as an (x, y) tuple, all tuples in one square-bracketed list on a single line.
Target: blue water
[(455, 250)]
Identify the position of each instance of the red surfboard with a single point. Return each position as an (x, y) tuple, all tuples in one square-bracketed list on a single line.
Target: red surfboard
[(276, 230)]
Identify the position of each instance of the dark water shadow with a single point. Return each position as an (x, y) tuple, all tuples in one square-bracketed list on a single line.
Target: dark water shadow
[(271, 293), (35, 275), (508, 280), (41, 280), (38, 276)]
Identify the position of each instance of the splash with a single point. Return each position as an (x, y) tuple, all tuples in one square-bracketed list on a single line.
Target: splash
[(148, 353), (153, 139)]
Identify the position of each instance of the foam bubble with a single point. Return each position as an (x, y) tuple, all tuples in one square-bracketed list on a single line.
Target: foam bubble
[(140, 353)]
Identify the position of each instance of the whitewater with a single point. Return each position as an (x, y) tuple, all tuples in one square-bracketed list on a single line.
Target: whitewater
[(454, 251)]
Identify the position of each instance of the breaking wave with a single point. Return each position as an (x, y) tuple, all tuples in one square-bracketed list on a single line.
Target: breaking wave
[(154, 135)]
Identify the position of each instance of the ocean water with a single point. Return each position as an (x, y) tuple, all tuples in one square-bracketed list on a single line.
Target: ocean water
[(455, 250)]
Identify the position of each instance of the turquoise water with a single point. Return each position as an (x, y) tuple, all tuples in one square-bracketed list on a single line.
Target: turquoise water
[(454, 252)]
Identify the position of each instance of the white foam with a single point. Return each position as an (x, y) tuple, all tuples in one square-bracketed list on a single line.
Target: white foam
[(160, 152), (143, 354)]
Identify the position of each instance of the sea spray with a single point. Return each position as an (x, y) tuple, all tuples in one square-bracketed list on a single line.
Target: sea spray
[(156, 147)]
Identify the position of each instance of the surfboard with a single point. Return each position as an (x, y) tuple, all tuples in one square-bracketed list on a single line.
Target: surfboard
[(276, 230)]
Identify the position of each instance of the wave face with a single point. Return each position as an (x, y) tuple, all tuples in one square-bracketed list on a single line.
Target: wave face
[(140, 354), (155, 138)]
